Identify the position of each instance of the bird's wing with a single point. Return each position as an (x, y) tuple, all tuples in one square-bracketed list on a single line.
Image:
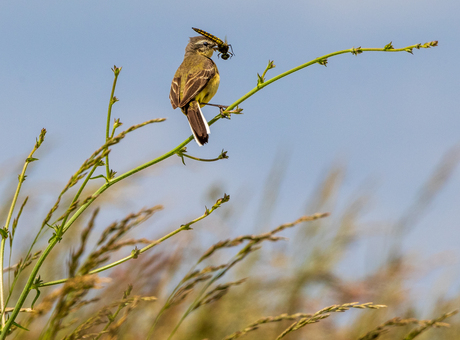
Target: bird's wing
[(174, 94), (196, 82)]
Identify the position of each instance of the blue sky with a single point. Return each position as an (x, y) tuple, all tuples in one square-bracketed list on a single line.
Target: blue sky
[(389, 117)]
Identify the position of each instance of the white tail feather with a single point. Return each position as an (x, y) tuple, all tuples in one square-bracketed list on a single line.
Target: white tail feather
[(194, 136), (204, 121)]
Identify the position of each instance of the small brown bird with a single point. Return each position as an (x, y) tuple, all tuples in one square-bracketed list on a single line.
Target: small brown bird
[(195, 83)]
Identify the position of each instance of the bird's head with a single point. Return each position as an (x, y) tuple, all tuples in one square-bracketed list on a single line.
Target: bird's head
[(201, 45)]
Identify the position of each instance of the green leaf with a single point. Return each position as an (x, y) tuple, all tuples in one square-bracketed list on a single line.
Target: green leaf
[(323, 62), (260, 80), (135, 252), (389, 46), (4, 233), (35, 298), (19, 326), (99, 176)]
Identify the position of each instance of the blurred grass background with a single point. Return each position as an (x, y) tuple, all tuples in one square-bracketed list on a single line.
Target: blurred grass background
[(334, 260)]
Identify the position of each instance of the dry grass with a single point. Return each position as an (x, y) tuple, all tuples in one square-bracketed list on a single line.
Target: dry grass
[(233, 286)]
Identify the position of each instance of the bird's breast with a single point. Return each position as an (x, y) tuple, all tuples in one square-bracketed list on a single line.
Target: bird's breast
[(209, 90)]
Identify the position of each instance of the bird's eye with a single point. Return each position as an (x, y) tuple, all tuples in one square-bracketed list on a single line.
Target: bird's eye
[(205, 43)]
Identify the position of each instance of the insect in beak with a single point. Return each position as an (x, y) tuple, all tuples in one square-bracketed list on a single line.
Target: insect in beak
[(222, 46)]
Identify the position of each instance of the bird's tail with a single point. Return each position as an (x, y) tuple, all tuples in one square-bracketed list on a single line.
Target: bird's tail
[(198, 123)]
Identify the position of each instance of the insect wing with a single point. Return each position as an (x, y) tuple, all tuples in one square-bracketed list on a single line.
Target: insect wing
[(223, 49)]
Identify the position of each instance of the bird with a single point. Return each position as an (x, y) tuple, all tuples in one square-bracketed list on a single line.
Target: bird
[(194, 84)]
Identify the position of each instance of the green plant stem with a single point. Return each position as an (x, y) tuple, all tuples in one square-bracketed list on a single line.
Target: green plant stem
[(83, 207), (114, 264), (21, 179), (174, 151), (140, 251), (196, 301), (238, 257), (2, 251), (116, 72), (111, 319), (80, 190), (85, 182), (168, 302), (202, 159), (223, 155), (312, 62)]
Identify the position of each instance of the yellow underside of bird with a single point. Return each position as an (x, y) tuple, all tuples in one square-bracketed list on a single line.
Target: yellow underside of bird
[(209, 91)]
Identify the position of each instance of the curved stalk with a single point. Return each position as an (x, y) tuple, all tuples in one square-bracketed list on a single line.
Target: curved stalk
[(261, 84)]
